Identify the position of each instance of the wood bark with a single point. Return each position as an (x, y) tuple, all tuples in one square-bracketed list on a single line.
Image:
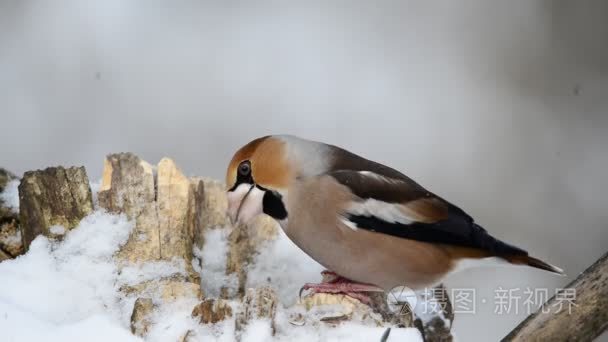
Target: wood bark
[(11, 243), (166, 207), (258, 303), (212, 310), (245, 241), (163, 205), (565, 317), (54, 196), (140, 318)]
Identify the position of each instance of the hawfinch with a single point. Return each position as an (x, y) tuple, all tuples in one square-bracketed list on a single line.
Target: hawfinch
[(373, 226)]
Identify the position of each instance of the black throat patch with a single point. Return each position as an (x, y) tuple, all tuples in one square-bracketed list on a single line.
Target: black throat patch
[(273, 206)]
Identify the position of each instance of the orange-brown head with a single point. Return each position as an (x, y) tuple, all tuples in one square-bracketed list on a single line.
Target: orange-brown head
[(261, 172), (257, 177), (268, 159)]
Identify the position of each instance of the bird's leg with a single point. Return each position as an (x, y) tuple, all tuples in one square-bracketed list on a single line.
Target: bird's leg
[(333, 283)]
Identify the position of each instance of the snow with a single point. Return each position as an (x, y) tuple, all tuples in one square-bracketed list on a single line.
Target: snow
[(258, 331), (132, 275), (21, 325), (10, 195), (213, 259), (69, 291), (285, 267), (57, 288), (95, 187), (57, 230)]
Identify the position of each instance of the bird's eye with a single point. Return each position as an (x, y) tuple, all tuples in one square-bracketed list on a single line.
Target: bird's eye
[(245, 168)]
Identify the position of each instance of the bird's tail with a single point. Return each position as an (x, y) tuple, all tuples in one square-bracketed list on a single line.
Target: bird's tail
[(533, 262)]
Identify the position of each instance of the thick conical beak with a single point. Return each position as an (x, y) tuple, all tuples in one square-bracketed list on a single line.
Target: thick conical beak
[(244, 203)]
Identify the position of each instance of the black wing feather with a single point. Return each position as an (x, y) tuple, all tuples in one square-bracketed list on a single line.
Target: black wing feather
[(458, 228), (452, 231)]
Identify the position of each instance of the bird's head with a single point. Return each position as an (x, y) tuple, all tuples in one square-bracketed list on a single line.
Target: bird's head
[(260, 173), (257, 180)]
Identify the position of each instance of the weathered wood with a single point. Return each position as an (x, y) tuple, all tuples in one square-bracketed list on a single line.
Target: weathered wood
[(259, 303), (166, 208), (5, 177), (584, 320), (162, 205), (215, 204), (245, 242), (4, 256), (196, 213), (140, 318), (212, 311), (173, 199), (54, 196), (128, 187), (333, 308), (11, 242)]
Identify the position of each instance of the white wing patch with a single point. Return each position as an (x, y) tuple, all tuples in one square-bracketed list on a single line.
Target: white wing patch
[(388, 212), (348, 223), (379, 177)]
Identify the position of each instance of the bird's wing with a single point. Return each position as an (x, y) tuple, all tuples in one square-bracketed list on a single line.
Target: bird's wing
[(402, 208)]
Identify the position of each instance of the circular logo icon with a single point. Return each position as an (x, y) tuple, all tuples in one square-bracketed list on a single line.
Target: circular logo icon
[(402, 300)]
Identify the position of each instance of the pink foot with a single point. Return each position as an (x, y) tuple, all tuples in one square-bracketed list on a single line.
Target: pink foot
[(333, 283)]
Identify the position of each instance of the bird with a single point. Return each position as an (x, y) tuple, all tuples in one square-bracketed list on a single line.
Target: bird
[(372, 227)]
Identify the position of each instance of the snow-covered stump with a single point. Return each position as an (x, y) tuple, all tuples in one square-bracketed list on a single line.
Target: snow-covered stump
[(215, 204), (258, 304), (212, 311), (140, 318), (197, 212), (245, 242), (4, 256), (165, 207), (11, 243), (160, 205), (5, 210), (53, 200), (333, 308)]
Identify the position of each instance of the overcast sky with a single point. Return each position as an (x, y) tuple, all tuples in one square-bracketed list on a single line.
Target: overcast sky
[(499, 106)]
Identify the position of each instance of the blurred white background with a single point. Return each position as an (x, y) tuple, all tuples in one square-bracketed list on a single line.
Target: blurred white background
[(499, 106)]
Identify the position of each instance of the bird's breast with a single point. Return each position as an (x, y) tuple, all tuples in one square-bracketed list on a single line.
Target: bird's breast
[(314, 225)]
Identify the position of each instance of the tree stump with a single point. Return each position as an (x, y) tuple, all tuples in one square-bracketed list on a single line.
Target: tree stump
[(245, 242), (140, 318), (163, 207), (11, 242), (166, 208), (212, 311), (53, 197), (5, 211), (259, 303), (215, 204)]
